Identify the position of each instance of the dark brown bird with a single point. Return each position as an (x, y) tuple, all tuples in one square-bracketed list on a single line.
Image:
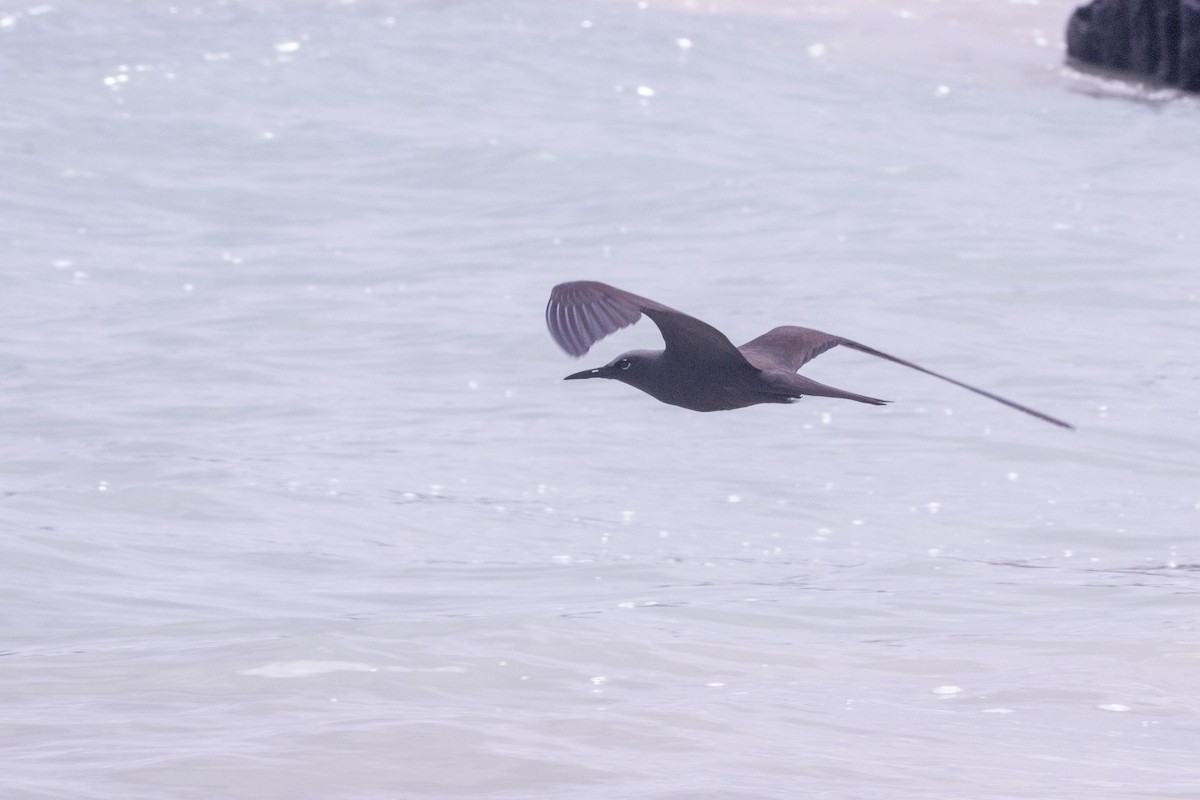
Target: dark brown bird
[(700, 369)]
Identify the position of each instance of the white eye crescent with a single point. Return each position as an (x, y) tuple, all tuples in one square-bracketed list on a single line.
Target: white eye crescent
[(623, 363)]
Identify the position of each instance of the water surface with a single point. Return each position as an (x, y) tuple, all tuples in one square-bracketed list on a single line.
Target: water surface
[(296, 503)]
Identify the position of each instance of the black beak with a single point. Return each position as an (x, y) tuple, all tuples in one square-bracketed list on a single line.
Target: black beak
[(587, 373)]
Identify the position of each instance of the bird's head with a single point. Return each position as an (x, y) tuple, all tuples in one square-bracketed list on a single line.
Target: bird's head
[(634, 368)]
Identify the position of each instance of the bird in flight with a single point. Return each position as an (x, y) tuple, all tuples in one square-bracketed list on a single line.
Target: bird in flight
[(700, 369)]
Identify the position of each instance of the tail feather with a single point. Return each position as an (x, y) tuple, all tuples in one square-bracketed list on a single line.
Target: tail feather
[(793, 385)]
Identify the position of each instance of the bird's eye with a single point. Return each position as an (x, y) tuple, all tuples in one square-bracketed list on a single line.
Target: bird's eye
[(623, 363)]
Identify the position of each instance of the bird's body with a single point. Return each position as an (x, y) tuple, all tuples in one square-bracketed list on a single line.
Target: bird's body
[(699, 368)]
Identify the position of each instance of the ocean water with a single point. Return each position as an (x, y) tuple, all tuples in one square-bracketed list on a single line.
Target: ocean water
[(296, 504)]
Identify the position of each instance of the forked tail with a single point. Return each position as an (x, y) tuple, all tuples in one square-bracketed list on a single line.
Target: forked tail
[(792, 385)]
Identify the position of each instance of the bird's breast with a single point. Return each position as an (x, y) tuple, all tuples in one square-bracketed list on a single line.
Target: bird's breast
[(704, 389)]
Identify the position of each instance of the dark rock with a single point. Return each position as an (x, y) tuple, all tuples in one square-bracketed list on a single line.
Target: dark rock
[(1155, 39)]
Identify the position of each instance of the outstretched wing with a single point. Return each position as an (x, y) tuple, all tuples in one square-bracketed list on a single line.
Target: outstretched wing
[(581, 313), (862, 348), (789, 348)]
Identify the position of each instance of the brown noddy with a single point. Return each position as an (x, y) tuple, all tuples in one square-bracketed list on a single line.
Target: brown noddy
[(699, 368)]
